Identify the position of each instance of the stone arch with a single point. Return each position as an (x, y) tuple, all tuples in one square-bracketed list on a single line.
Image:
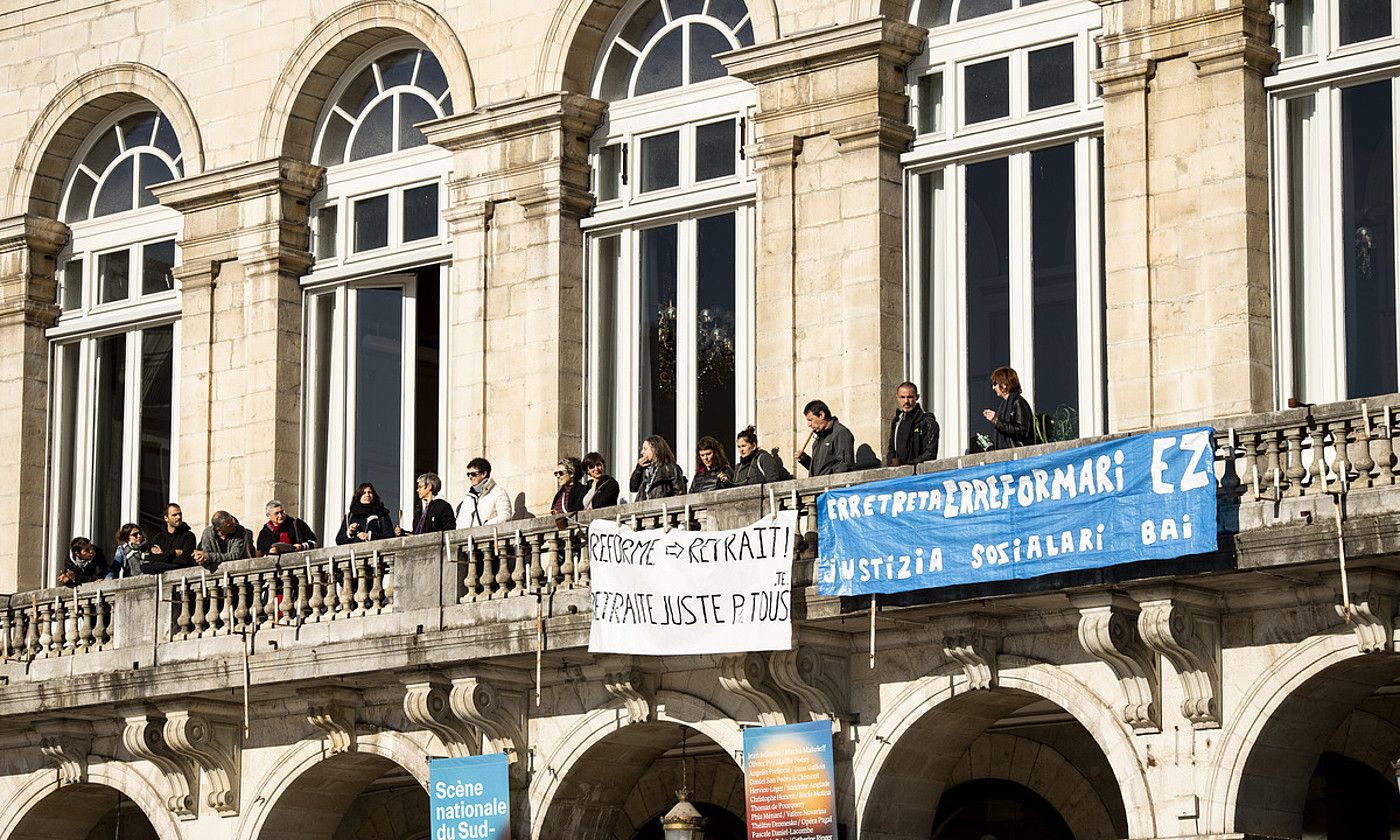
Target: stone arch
[(320, 61), (36, 184), (897, 756), (304, 785), (576, 35), (565, 770), (1284, 722), (42, 793)]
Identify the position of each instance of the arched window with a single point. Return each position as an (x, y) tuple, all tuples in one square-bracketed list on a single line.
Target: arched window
[(1004, 218), (670, 340), (1334, 104), (113, 347), (374, 295)]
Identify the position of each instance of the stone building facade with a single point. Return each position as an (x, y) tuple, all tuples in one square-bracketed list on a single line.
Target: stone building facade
[(272, 249)]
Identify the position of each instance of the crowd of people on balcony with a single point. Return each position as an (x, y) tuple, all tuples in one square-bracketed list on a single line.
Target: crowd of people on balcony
[(582, 484)]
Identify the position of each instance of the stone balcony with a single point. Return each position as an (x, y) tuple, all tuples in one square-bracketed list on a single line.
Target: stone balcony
[(493, 597)]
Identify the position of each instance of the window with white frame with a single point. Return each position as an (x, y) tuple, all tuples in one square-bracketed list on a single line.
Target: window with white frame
[(374, 336), (1334, 103), (112, 349), (1004, 196), (670, 253)]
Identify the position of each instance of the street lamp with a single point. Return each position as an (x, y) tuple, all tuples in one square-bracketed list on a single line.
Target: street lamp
[(683, 822)]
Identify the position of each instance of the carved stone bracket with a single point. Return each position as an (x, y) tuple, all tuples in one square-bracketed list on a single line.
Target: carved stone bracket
[(66, 745), (1189, 638), (477, 702), (1372, 612), (977, 652), (427, 703), (209, 736), (1109, 633), (746, 674), (144, 737), (813, 680), (337, 723), (633, 686)]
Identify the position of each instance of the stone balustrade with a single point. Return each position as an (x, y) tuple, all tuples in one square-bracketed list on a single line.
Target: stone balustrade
[(472, 577)]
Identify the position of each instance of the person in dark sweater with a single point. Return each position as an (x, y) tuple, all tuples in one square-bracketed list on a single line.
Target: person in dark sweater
[(434, 514), (284, 534), (172, 547), (712, 469), (367, 519), (913, 431), (84, 563), (603, 489), (755, 465)]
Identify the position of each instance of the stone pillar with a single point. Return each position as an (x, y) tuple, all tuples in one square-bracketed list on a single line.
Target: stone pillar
[(1186, 210), (515, 334), (830, 125), (244, 250), (28, 245)]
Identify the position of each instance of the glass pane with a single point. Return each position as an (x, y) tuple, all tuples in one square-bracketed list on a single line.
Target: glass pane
[(988, 288), (152, 170), (375, 133), (969, 9), (359, 93), (166, 140), (715, 333), (320, 352), (138, 129), (333, 139), (109, 428), (103, 152), (617, 75), (681, 8), (430, 75), (157, 261), (72, 284), (609, 172), (986, 91), (715, 150), (661, 68), (1363, 20), (427, 384), (931, 203), (1053, 291), (157, 377), (67, 477), (113, 270), (644, 23), (397, 68), (1302, 194), (603, 351), (115, 194), (656, 377), (1051, 76), (1298, 27), (745, 34), (413, 109), (372, 223), (79, 198), (930, 103), (729, 11), (705, 43), (327, 232), (420, 212), (1368, 238), (661, 166), (379, 392)]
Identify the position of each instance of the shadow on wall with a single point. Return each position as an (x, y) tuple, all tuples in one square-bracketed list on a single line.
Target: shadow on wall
[(866, 459), (519, 511)]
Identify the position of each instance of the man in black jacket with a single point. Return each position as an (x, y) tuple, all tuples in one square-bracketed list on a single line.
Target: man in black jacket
[(282, 533), (913, 431), (172, 547)]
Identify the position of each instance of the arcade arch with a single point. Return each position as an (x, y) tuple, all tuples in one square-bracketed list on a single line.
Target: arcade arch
[(351, 796)]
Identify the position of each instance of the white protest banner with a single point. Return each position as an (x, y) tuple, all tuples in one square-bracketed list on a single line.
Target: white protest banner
[(673, 592)]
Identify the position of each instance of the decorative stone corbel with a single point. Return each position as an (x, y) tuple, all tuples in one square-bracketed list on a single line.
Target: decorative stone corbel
[(477, 702), (426, 703), (977, 652), (208, 735), (337, 723), (144, 737), (633, 686), (1372, 613), (746, 674), (1108, 632), (66, 745), (814, 682), (1189, 638)]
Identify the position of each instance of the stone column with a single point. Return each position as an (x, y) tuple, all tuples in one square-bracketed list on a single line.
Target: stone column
[(830, 125), (28, 245), (1186, 210), (515, 335), (244, 250)]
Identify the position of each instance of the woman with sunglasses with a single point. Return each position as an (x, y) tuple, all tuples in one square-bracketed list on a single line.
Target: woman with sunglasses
[(569, 497), (603, 489), (132, 550)]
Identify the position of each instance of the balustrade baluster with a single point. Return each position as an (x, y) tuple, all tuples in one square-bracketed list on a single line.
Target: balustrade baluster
[(287, 598), (301, 607), (1317, 480), (243, 613), (376, 589), (1341, 443), (1383, 449), (535, 579), (102, 630), (200, 614), (564, 558), (316, 604), (488, 569), (6, 624), (519, 563), (59, 617), (467, 554), (361, 587), (1230, 477), (503, 562), (31, 633), (580, 551), (45, 629), (333, 602), (388, 582), (261, 596), (1364, 461), (85, 622), (1292, 461)]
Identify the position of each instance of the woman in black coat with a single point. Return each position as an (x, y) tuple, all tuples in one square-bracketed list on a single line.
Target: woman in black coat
[(657, 475), (569, 497), (712, 469), (435, 514), (603, 489), (367, 518), (1013, 422)]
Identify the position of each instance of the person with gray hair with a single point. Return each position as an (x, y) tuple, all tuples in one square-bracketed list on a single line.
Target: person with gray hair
[(224, 539), (434, 514), (284, 534)]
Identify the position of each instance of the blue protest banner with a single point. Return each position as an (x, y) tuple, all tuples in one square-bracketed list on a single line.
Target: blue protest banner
[(470, 798), (1136, 498)]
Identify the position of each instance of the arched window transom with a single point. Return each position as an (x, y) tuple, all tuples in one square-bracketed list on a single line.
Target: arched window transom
[(118, 170), (669, 44), (375, 114)]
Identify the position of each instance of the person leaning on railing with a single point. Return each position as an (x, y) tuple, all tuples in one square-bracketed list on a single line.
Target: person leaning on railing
[(284, 534), (568, 498), (603, 490), (833, 447), (434, 514), (712, 469), (132, 552), (486, 502), (1013, 422), (224, 539), (366, 519), (755, 465), (657, 475), (84, 563), (172, 546)]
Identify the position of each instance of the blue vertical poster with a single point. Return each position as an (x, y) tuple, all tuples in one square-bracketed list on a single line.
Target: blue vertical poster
[(790, 781), (469, 797)]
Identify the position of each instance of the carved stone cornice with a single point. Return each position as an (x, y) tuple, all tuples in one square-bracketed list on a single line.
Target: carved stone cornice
[(1237, 52), (66, 744), (814, 679), (1186, 632), (335, 712), (635, 687), (426, 703), (976, 650), (28, 286), (279, 177), (746, 674), (1125, 77), (478, 702), (144, 738), (889, 40), (208, 735), (1108, 632)]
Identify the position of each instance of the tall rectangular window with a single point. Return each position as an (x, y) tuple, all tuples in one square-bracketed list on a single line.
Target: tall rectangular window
[(715, 333), (157, 380), (1054, 260), (657, 337), (109, 412), (1368, 242), (427, 359), (988, 258), (379, 391)]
